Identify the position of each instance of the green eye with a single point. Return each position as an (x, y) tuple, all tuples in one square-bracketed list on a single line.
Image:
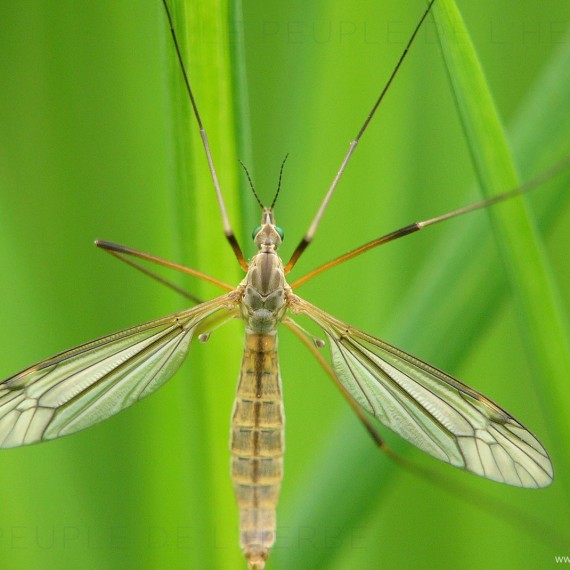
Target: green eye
[(280, 232), (255, 232)]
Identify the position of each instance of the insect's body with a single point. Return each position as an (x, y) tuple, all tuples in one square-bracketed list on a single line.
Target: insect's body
[(257, 445), (258, 420)]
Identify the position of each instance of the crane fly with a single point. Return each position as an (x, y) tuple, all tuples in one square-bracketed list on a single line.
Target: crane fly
[(434, 411)]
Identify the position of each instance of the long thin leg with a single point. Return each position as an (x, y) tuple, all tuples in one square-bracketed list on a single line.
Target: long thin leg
[(304, 243), (230, 236), (483, 501), (417, 226), (155, 276), (124, 250), (296, 329)]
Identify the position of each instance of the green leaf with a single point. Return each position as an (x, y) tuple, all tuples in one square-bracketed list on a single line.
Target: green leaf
[(203, 30)]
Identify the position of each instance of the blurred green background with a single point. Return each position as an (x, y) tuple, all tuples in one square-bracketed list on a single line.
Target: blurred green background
[(97, 142)]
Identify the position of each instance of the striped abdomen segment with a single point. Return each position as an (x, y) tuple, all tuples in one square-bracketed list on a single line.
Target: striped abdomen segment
[(257, 445)]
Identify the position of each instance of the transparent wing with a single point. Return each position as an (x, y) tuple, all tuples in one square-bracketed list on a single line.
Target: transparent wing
[(432, 410), (87, 384)]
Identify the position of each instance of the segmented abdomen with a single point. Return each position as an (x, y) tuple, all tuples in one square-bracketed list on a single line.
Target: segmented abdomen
[(257, 446)]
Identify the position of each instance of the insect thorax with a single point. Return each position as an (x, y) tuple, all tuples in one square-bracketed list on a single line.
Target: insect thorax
[(263, 303)]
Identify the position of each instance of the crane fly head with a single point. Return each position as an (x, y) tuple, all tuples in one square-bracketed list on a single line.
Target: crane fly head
[(268, 234)]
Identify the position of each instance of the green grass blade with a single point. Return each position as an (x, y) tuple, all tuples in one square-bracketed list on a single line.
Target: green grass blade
[(199, 231)]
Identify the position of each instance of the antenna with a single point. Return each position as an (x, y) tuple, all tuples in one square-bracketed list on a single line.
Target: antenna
[(279, 183), (251, 184)]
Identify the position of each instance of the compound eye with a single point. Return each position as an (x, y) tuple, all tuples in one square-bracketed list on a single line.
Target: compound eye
[(255, 232), (280, 232)]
